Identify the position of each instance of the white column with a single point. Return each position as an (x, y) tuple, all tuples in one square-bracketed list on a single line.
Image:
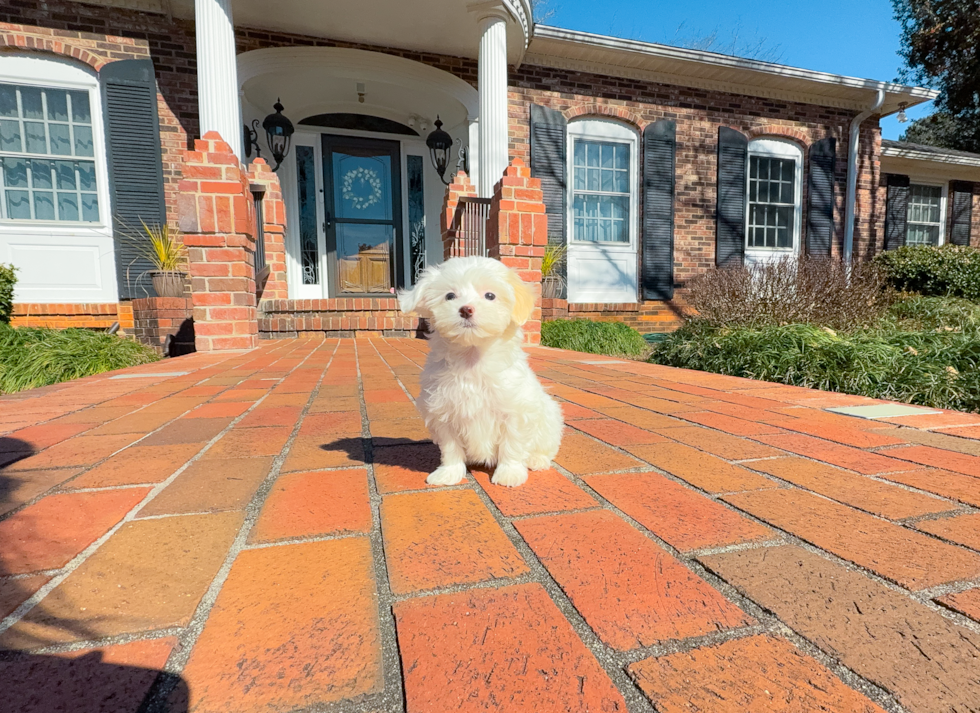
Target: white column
[(217, 72), (492, 80)]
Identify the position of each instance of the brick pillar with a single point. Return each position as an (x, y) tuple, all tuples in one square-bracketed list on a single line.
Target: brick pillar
[(461, 186), (517, 233), (217, 220), (274, 229)]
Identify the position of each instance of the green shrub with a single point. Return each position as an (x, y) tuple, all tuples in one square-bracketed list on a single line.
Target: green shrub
[(945, 271), (923, 352), (30, 358), (584, 335), (8, 279)]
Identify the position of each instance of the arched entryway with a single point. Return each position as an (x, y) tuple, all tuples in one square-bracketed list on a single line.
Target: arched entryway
[(362, 198)]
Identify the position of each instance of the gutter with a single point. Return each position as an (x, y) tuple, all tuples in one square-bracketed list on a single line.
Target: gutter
[(852, 162)]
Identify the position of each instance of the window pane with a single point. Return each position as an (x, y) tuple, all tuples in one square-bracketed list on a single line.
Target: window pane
[(8, 100), (83, 141), (15, 172), (608, 154), (622, 157), (592, 150), (579, 179), (35, 137), (90, 207), (607, 181), (41, 174), (10, 136), (18, 205), (60, 139), (30, 99), (67, 206), (86, 175), (308, 233), (579, 153), (771, 203), (43, 205), (57, 105), (79, 108), (66, 175)]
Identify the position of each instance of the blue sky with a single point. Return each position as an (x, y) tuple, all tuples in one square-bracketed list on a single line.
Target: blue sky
[(858, 38)]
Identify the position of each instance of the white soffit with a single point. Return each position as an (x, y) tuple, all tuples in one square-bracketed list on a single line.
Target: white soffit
[(645, 61)]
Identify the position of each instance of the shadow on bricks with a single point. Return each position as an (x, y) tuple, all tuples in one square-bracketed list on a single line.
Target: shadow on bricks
[(382, 455), (117, 677)]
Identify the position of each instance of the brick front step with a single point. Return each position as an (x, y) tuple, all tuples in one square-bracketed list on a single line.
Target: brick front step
[(343, 316)]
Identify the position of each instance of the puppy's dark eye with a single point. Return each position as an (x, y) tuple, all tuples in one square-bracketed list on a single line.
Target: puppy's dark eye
[(490, 296), (451, 296)]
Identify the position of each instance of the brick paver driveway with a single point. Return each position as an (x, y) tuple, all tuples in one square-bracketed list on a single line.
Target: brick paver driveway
[(252, 532)]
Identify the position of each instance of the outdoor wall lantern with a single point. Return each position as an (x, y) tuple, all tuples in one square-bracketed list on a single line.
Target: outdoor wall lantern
[(902, 118), (278, 133), (440, 144)]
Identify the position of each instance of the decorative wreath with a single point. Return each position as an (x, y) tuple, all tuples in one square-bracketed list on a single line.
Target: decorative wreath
[(361, 177)]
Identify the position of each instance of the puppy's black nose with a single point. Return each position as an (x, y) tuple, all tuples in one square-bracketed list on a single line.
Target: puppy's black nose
[(465, 312)]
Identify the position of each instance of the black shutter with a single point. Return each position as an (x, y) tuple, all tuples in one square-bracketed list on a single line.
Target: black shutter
[(659, 148), (820, 201), (730, 213), (961, 199), (129, 101), (896, 211), (549, 156)]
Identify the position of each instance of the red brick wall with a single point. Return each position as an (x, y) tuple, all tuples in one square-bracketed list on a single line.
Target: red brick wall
[(64, 316), (699, 114), (156, 318)]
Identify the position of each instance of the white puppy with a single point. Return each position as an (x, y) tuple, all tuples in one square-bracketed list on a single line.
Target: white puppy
[(480, 400)]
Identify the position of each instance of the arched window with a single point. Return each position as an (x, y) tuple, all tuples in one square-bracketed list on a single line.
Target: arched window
[(774, 199)]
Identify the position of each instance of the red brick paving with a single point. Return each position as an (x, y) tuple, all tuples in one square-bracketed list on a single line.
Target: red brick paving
[(309, 504), (507, 649), (535, 598), (681, 516), (592, 556), (894, 552), (324, 645), (758, 673)]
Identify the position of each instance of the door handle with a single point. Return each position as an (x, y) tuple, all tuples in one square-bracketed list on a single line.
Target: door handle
[(327, 222)]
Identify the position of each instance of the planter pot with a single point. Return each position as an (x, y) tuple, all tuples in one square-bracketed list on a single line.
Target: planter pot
[(552, 287), (168, 283)]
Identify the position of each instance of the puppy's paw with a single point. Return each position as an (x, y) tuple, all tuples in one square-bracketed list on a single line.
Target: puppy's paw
[(447, 475), (538, 462), (509, 474)]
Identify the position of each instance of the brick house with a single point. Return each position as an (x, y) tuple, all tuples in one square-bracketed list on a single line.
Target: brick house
[(652, 163)]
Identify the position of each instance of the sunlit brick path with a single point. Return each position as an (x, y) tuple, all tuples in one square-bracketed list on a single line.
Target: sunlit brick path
[(252, 532)]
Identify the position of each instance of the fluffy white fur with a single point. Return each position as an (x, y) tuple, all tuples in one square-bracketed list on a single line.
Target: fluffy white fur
[(480, 400)]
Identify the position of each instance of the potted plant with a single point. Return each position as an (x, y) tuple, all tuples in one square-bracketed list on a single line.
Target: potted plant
[(552, 277), (163, 248)]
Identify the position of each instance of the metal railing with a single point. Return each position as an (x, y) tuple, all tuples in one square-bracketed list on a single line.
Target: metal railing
[(470, 225)]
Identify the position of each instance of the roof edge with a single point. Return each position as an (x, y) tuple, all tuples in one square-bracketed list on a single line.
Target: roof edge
[(920, 152), (913, 95)]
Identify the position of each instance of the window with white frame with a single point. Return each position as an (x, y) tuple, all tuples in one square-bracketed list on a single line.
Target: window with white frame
[(601, 190), (47, 155), (925, 217), (773, 183)]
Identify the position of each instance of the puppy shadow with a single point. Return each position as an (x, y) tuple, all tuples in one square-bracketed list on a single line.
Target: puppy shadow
[(386, 451)]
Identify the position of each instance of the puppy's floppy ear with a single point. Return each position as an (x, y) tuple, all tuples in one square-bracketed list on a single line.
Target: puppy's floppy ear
[(523, 298), (416, 300)]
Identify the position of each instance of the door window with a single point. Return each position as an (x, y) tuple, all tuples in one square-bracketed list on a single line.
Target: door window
[(363, 214), (309, 251)]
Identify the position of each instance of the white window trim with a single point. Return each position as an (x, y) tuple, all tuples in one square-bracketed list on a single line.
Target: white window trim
[(603, 130), (59, 74), (943, 200), (776, 148)]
